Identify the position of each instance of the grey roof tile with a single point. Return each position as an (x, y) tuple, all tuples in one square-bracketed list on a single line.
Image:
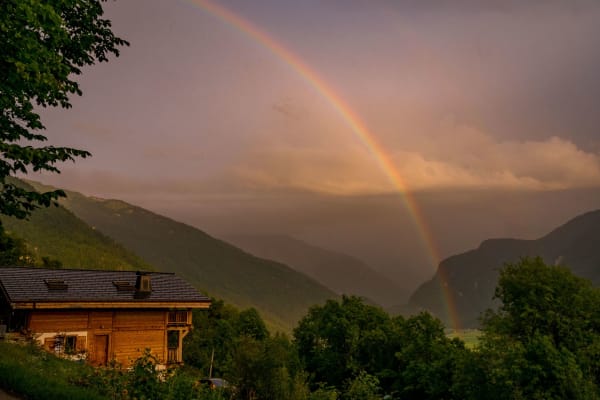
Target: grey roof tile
[(22, 284)]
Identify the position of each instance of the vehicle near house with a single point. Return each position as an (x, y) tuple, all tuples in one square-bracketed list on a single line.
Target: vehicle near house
[(215, 383), (219, 385), (100, 315)]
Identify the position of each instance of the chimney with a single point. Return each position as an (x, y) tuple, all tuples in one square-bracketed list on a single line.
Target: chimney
[(143, 285)]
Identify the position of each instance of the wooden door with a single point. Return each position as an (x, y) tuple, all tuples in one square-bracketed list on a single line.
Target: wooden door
[(101, 349)]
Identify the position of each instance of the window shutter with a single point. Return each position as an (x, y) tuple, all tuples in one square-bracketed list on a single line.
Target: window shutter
[(81, 343)]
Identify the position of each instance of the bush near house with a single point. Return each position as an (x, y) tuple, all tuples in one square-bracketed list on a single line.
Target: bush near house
[(543, 342), (36, 374)]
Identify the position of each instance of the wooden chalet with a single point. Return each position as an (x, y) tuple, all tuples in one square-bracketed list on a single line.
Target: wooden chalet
[(99, 315)]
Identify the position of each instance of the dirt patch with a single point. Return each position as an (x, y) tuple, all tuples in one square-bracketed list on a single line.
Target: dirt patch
[(6, 396)]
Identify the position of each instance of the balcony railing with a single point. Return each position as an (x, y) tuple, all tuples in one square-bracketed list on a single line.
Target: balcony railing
[(173, 356), (177, 318)]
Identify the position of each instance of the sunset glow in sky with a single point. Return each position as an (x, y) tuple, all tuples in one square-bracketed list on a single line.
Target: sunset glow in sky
[(203, 110), (469, 95)]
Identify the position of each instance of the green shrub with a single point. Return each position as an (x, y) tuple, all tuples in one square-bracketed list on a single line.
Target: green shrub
[(183, 386), (144, 382), (35, 374), (324, 393), (363, 387)]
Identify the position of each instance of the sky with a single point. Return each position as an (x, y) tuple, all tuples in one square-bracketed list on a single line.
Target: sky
[(199, 120)]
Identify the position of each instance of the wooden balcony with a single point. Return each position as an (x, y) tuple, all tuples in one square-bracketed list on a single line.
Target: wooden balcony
[(173, 356), (178, 318)]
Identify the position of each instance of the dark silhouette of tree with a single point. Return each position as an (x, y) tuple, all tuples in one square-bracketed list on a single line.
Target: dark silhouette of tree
[(44, 46), (544, 340)]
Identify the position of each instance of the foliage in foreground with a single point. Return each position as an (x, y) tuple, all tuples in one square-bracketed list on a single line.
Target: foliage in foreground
[(35, 374), (544, 340), (145, 382), (542, 343), (44, 46)]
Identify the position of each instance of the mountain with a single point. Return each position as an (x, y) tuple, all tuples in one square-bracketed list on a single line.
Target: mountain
[(470, 278), (57, 233), (342, 273), (281, 294)]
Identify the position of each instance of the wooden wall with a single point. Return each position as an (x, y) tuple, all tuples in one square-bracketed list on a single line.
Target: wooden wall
[(127, 346), (58, 321), (100, 320), (119, 334), (134, 331)]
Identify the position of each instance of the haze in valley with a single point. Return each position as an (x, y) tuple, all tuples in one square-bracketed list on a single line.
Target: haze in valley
[(487, 110)]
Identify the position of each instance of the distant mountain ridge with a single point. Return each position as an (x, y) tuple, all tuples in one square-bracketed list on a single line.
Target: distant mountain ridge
[(280, 293), (342, 273), (471, 277), (57, 233)]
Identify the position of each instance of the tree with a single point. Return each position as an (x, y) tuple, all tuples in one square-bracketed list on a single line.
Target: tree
[(360, 351), (211, 342), (544, 340), (363, 387), (13, 251), (427, 360), (45, 44), (546, 300), (250, 324), (338, 340)]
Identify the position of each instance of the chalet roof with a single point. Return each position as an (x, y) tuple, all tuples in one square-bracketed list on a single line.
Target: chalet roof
[(44, 286)]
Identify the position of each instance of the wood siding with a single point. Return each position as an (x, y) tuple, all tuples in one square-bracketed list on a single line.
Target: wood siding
[(129, 345), (119, 334), (58, 321), (139, 320), (134, 331), (100, 320)]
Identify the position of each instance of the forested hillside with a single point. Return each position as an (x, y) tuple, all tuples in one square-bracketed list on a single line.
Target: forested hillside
[(470, 277), (281, 294), (342, 273), (57, 234)]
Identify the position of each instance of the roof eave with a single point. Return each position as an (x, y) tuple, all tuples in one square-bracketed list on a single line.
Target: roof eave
[(71, 305), (4, 293)]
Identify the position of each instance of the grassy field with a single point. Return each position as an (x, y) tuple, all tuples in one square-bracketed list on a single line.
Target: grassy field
[(31, 373), (469, 336), (35, 374)]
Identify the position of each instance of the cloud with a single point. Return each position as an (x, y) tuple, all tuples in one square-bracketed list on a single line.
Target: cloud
[(552, 163), (343, 171), (452, 157), (235, 121), (461, 158)]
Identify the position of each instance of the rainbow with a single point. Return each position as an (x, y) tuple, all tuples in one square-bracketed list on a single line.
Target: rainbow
[(357, 126)]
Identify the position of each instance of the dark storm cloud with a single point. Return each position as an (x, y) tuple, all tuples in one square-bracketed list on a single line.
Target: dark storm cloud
[(520, 69)]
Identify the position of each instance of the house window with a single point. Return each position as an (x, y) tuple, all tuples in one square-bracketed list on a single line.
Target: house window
[(124, 286), (65, 344), (173, 339), (58, 345), (178, 317), (145, 284), (70, 344), (56, 284), (142, 283), (17, 320), (173, 347)]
